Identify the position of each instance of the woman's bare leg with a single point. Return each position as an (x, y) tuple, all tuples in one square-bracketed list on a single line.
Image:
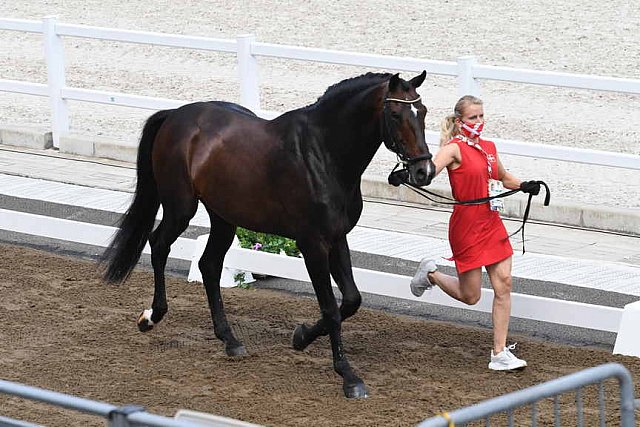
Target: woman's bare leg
[(500, 277), (464, 288)]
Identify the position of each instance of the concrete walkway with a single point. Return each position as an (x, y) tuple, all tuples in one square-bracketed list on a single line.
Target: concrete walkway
[(555, 253)]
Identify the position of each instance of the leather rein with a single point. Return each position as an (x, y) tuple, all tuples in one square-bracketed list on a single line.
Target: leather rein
[(450, 201)]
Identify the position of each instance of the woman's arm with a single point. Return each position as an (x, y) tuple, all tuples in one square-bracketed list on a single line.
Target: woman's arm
[(449, 155), (509, 181)]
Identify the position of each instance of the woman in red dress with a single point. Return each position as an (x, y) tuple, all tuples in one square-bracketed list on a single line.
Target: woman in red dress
[(477, 235)]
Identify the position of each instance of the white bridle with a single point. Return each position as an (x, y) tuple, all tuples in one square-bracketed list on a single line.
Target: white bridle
[(404, 101)]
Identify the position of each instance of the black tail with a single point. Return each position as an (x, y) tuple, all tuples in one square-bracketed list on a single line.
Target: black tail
[(123, 253)]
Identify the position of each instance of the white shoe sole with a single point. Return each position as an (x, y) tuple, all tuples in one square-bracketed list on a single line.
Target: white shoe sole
[(496, 367), (418, 290), (418, 287)]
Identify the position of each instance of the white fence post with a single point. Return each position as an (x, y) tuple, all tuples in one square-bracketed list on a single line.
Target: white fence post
[(467, 84), (54, 55), (627, 338), (248, 69)]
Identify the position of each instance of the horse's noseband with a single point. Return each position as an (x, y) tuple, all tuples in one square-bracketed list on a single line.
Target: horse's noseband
[(389, 137)]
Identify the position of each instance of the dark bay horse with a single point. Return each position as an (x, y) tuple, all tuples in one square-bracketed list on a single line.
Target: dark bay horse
[(297, 176)]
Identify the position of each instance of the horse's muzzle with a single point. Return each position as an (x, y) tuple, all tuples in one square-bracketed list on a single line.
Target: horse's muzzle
[(422, 173)]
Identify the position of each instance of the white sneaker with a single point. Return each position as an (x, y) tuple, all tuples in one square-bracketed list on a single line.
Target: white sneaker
[(420, 281), (506, 361)]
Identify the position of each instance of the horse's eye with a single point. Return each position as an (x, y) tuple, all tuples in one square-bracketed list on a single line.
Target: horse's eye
[(395, 115)]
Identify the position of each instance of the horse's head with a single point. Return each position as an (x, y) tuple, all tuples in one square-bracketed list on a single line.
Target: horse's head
[(403, 128)]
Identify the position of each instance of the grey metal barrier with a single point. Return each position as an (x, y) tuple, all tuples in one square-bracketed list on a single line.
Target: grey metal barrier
[(530, 396), (116, 416)]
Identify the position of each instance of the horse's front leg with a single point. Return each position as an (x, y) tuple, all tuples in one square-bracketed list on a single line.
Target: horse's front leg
[(342, 273), (317, 262)]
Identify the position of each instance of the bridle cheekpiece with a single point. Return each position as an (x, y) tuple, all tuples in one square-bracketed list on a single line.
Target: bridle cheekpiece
[(389, 138)]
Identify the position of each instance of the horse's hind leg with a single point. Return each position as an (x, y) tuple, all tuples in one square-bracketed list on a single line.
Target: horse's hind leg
[(175, 219), (342, 273), (220, 239)]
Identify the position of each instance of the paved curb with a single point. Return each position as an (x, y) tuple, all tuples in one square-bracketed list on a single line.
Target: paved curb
[(21, 136), (618, 220)]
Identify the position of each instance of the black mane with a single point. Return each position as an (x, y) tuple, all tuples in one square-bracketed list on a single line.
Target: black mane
[(350, 86)]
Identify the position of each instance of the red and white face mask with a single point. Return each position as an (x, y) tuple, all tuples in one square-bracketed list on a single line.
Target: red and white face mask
[(471, 130)]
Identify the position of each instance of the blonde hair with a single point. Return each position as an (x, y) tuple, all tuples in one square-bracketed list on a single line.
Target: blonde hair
[(448, 126)]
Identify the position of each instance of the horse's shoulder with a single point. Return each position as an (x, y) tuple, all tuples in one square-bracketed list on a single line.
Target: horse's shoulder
[(297, 128)]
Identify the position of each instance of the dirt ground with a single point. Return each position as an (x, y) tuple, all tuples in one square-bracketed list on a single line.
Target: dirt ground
[(65, 330)]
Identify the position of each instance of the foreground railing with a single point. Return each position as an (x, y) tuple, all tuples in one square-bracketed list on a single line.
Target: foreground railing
[(116, 416), (552, 389)]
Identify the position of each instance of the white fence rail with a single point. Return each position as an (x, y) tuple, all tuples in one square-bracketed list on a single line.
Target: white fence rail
[(524, 306), (466, 70)]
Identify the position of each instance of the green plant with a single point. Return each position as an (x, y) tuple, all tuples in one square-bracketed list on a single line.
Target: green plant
[(240, 280), (266, 242)]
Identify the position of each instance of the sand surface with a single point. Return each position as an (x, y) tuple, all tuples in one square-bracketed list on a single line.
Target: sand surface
[(591, 37), (66, 330)]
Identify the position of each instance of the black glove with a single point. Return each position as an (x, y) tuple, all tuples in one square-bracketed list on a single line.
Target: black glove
[(398, 177), (530, 187)]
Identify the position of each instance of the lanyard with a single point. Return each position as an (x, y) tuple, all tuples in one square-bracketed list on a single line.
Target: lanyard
[(479, 148)]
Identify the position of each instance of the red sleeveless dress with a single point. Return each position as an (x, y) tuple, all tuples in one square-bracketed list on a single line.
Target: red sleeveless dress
[(476, 233)]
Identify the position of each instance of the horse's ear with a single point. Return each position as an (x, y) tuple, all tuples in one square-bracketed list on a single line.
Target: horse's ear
[(417, 80), (394, 82)]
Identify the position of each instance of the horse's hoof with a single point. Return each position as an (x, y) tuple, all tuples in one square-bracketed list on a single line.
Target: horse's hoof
[(355, 391), (300, 337), (238, 351), (145, 323)]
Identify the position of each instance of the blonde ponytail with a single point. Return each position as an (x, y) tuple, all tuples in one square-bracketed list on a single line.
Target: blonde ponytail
[(448, 129)]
